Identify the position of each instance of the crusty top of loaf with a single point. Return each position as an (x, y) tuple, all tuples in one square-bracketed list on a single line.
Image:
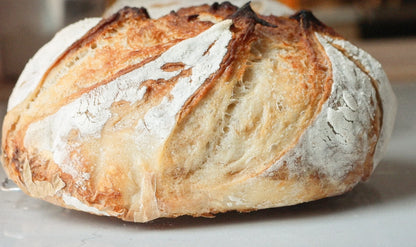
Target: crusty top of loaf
[(206, 109), (163, 7)]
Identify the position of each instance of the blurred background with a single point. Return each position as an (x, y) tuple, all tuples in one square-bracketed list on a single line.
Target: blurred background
[(380, 212), (384, 28)]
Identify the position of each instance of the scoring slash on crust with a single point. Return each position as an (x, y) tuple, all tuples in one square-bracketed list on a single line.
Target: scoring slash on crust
[(204, 110)]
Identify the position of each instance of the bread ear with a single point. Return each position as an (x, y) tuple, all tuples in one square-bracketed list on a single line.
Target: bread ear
[(204, 110)]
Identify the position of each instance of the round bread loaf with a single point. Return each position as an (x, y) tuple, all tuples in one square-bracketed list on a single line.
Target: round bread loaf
[(204, 110)]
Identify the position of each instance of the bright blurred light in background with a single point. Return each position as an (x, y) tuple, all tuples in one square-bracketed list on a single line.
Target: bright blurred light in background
[(25, 25)]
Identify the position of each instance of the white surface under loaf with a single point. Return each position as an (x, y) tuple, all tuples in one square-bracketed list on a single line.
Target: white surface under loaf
[(382, 210), (338, 140)]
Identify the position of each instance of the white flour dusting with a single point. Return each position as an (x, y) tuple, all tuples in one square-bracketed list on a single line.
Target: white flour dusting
[(338, 138), (45, 57), (88, 114)]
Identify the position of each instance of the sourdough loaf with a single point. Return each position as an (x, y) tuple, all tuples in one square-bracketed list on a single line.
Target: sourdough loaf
[(207, 109)]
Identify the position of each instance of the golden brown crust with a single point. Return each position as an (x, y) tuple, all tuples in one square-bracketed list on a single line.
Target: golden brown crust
[(271, 86)]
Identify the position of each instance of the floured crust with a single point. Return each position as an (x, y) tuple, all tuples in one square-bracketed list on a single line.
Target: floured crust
[(204, 110)]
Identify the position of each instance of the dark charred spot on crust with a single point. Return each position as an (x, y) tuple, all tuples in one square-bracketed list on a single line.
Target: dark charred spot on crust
[(121, 15), (222, 6), (248, 13), (136, 12), (309, 22), (306, 19), (124, 13), (192, 17), (214, 6)]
